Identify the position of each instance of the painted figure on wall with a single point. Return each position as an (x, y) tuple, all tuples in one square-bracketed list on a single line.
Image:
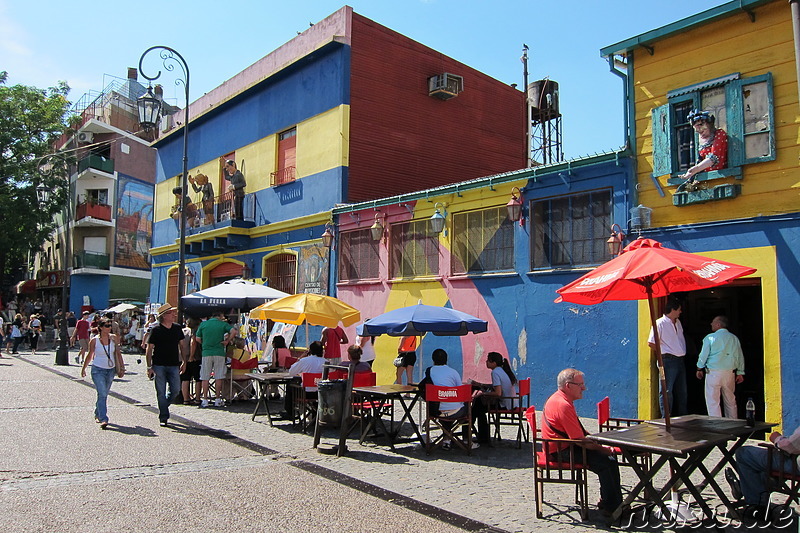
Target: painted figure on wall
[(134, 223), (201, 184), (713, 148), (237, 185)]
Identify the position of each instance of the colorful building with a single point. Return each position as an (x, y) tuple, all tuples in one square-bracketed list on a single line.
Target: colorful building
[(388, 255), (347, 111), (736, 61), (111, 206)]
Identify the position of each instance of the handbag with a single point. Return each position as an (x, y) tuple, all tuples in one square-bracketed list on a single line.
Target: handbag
[(398, 361)]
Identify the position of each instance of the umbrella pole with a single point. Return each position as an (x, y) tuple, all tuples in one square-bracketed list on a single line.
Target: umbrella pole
[(659, 359)]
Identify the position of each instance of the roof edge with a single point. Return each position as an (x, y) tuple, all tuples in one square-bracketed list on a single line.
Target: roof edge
[(698, 19)]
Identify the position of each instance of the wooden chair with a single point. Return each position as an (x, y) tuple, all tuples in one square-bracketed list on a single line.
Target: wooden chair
[(606, 422), (305, 406), (514, 416), (449, 427), (787, 483), (547, 468)]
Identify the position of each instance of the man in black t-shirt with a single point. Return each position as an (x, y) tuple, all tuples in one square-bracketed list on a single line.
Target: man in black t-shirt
[(166, 359)]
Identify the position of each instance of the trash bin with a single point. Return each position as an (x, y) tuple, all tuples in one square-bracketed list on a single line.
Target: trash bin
[(331, 401)]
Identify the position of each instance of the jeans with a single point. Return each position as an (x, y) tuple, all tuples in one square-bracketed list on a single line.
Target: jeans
[(17, 342), (751, 462), (166, 375), (102, 378), (675, 376)]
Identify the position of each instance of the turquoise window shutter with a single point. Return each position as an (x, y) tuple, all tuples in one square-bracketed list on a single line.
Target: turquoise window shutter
[(662, 148)]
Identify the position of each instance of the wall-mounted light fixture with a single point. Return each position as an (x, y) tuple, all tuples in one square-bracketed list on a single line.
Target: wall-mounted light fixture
[(615, 241), (514, 205), (438, 218), (377, 228), (327, 236)]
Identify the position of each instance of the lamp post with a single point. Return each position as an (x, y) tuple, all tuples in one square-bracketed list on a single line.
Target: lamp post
[(149, 110), (48, 166)]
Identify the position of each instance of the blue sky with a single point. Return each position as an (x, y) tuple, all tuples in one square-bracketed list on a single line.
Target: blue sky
[(44, 41)]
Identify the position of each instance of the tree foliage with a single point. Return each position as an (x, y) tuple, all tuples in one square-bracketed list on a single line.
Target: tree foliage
[(31, 120)]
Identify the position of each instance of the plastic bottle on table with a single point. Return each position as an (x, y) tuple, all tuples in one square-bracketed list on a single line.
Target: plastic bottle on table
[(750, 409)]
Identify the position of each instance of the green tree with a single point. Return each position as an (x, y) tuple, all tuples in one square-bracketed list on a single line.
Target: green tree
[(31, 120)]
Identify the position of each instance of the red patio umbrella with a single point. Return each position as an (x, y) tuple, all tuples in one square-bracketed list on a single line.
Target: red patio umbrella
[(647, 270)]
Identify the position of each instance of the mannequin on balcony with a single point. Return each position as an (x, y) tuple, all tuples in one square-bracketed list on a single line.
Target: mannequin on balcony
[(191, 209), (237, 185), (201, 184)]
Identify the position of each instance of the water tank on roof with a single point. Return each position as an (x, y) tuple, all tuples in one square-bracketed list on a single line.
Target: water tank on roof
[(543, 96)]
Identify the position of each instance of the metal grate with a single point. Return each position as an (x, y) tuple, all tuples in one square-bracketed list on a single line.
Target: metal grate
[(281, 271), (414, 249), (483, 241), (358, 256)]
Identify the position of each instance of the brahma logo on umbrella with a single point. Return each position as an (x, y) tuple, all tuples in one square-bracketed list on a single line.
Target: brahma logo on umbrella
[(710, 270), (599, 279)]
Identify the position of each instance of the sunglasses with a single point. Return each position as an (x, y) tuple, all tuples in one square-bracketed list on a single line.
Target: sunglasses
[(105, 325)]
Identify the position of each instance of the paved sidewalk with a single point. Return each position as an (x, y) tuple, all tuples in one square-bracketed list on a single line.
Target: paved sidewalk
[(490, 491)]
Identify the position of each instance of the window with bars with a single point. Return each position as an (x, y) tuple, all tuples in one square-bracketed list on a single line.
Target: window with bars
[(281, 271), (570, 231), (414, 249), (358, 256), (483, 241)]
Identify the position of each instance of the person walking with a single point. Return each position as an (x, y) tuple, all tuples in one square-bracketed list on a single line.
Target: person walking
[(213, 336), (17, 332), (35, 330), (105, 357), (673, 353), (82, 333), (166, 360), (722, 363)]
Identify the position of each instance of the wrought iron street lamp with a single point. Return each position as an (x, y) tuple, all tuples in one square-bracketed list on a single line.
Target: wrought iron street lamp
[(514, 205), (376, 230), (327, 236), (149, 110), (51, 165), (615, 241)]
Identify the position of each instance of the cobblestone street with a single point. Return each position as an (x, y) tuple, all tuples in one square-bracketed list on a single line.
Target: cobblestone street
[(58, 459)]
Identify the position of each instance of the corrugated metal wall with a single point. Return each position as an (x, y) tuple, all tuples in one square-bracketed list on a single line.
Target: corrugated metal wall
[(402, 140)]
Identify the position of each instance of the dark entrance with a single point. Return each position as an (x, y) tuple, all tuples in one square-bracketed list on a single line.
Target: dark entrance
[(740, 301)]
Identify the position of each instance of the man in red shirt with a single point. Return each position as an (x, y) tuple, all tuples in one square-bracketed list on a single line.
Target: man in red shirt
[(332, 340), (82, 334), (560, 421)]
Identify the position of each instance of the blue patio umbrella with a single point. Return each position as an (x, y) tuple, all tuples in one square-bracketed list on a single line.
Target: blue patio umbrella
[(417, 320)]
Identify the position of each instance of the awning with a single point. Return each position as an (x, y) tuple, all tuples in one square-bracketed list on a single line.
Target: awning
[(26, 286)]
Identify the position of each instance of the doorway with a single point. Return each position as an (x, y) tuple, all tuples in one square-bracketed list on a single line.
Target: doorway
[(740, 301)]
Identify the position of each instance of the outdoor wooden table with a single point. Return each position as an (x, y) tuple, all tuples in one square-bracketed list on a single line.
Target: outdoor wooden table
[(264, 380), (381, 395), (684, 449)]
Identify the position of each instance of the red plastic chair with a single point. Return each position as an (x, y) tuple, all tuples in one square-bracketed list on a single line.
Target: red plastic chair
[(787, 483), (562, 469), (514, 416), (449, 426)]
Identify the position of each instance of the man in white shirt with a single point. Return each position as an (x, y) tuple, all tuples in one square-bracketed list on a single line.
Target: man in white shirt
[(673, 352), (310, 364), (445, 376), (721, 362)]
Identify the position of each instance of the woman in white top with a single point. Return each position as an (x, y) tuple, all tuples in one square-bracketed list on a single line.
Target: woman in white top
[(367, 345), (35, 327), (106, 359)]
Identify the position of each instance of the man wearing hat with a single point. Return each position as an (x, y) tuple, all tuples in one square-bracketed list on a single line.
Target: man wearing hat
[(213, 335), (166, 359)]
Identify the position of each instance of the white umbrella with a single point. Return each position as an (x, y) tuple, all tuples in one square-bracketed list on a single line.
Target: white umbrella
[(231, 294)]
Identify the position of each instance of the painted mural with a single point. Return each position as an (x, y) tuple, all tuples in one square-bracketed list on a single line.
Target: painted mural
[(134, 223), (312, 272)]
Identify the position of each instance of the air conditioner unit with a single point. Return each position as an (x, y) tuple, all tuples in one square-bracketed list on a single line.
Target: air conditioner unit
[(445, 86), (85, 137)]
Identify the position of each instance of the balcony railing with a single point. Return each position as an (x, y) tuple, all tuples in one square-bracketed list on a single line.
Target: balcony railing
[(87, 259), (284, 175), (221, 209), (94, 210), (97, 162)]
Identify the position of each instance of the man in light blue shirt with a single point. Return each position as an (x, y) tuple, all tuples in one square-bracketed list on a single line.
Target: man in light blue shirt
[(722, 362)]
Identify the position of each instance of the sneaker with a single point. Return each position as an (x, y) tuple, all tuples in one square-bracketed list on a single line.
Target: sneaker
[(446, 445), (164, 424), (203, 404), (219, 402)]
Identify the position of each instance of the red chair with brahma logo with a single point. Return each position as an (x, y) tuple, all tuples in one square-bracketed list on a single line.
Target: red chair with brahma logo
[(450, 426)]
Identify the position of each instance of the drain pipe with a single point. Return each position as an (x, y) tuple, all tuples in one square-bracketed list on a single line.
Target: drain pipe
[(795, 5), (625, 103)]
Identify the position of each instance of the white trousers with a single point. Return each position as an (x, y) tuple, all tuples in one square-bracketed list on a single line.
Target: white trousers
[(721, 383)]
